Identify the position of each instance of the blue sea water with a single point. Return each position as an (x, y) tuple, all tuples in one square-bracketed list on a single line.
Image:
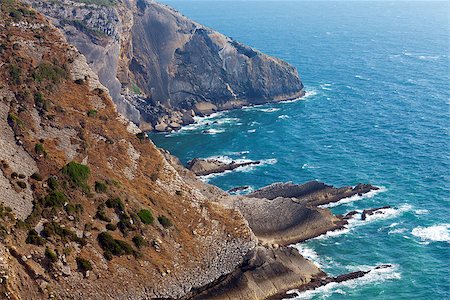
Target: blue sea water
[(377, 111)]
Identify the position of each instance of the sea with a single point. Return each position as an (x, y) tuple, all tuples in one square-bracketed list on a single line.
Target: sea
[(376, 110)]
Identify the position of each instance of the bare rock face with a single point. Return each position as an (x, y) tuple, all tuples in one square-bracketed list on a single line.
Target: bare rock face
[(156, 62)]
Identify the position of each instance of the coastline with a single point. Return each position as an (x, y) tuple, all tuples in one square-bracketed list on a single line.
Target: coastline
[(176, 120)]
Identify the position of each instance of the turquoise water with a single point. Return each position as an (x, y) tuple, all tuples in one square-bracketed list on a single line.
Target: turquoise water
[(377, 111)]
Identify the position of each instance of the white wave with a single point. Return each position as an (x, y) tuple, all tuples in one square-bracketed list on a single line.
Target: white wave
[(309, 253), (307, 94), (374, 277), (398, 231), (355, 221), (226, 121), (361, 77), (213, 131), (354, 198), (429, 57), (251, 130), (435, 233), (269, 110), (308, 166), (326, 86), (283, 117), (244, 169), (237, 153), (421, 211)]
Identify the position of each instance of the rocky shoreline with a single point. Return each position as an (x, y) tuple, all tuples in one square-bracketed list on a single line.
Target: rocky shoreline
[(280, 215)]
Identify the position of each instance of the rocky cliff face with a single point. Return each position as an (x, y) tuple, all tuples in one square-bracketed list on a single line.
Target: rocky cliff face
[(89, 209), (162, 68)]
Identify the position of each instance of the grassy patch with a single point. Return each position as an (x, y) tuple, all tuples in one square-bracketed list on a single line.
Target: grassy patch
[(146, 216), (53, 228), (138, 241), (14, 120), (16, 74), (114, 247), (55, 199), (100, 187), (83, 264), (78, 175), (34, 238), (36, 176), (51, 255), (164, 221), (91, 113), (47, 71)]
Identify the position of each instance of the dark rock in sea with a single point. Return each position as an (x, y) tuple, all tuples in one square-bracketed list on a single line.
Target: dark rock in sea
[(372, 211), (238, 189), (202, 167), (314, 192)]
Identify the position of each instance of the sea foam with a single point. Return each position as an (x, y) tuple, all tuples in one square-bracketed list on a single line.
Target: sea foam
[(354, 198), (435, 233), (374, 277)]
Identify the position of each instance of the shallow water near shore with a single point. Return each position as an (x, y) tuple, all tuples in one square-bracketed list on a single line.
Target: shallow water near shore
[(377, 111)]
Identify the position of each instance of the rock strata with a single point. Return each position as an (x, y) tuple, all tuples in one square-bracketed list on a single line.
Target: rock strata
[(314, 192)]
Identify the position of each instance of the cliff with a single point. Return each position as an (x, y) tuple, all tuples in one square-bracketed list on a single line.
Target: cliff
[(162, 68), (89, 208)]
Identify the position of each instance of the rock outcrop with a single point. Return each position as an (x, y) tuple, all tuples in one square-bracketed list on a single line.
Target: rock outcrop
[(203, 167), (161, 67)]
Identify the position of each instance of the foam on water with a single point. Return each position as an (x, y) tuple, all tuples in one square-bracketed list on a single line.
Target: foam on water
[(355, 221), (354, 198), (375, 276), (435, 233), (309, 253)]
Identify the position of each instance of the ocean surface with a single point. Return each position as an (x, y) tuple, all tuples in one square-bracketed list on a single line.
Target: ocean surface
[(376, 111)]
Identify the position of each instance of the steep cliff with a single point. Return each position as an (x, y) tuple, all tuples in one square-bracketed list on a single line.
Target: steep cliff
[(89, 208), (162, 68)]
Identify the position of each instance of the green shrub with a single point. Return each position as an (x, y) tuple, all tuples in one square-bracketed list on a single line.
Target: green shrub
[(116, 204), (50, 72), (101, 213), (125, 224), (91, 113), (164, 221), (138, 241), (83, 264), (112, 246), (111, 226), (34, 238), (52, 183), (55, 199), (74, 209), (16, 74), (141, 135), (78, 175), (14, 120), (41, 102), (40, 149), (22, 184), (100, 187), (53, 228), (36, 176), (50, 254), (146, 216)]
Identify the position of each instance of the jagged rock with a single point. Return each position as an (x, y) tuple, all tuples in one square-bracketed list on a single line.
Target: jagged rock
[(202, 167), (372, 211)]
